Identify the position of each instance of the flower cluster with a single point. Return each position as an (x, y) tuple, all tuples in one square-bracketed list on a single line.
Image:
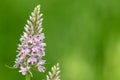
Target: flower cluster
[(31, 49), (54, 74)]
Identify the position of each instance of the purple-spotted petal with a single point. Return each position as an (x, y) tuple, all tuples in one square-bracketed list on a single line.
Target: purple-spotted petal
[(32, 60), (41, 68), (35, 49), (23, 70)]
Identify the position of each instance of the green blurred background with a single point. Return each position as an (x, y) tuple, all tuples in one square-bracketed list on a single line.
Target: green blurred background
[(82, 35)]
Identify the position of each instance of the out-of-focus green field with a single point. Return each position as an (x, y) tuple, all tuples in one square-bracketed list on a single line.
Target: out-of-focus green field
[(82, 35)]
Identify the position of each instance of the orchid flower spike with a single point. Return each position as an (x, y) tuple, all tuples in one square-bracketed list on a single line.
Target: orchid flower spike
[(31, 48)]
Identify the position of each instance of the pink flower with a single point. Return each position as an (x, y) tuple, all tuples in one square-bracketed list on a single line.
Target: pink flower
[(22, 57), (37, 39), (42, 49), (41, 68), (32, 60), (24, 70), (26, 50), (35, 49), (42, 36)]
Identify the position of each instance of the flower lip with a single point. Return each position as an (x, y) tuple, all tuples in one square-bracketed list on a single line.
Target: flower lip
[(24, 70), (32, 60), (41, 68)]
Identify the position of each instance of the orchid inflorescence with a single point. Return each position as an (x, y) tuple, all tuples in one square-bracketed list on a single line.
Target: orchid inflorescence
[(31, 48)]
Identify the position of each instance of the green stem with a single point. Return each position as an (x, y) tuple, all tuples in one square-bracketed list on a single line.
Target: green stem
[(27, 76)]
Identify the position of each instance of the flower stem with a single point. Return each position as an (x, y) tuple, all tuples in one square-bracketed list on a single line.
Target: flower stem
[(27, 76)]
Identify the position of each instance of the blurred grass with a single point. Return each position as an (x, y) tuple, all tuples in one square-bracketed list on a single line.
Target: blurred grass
[(83, 35)]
